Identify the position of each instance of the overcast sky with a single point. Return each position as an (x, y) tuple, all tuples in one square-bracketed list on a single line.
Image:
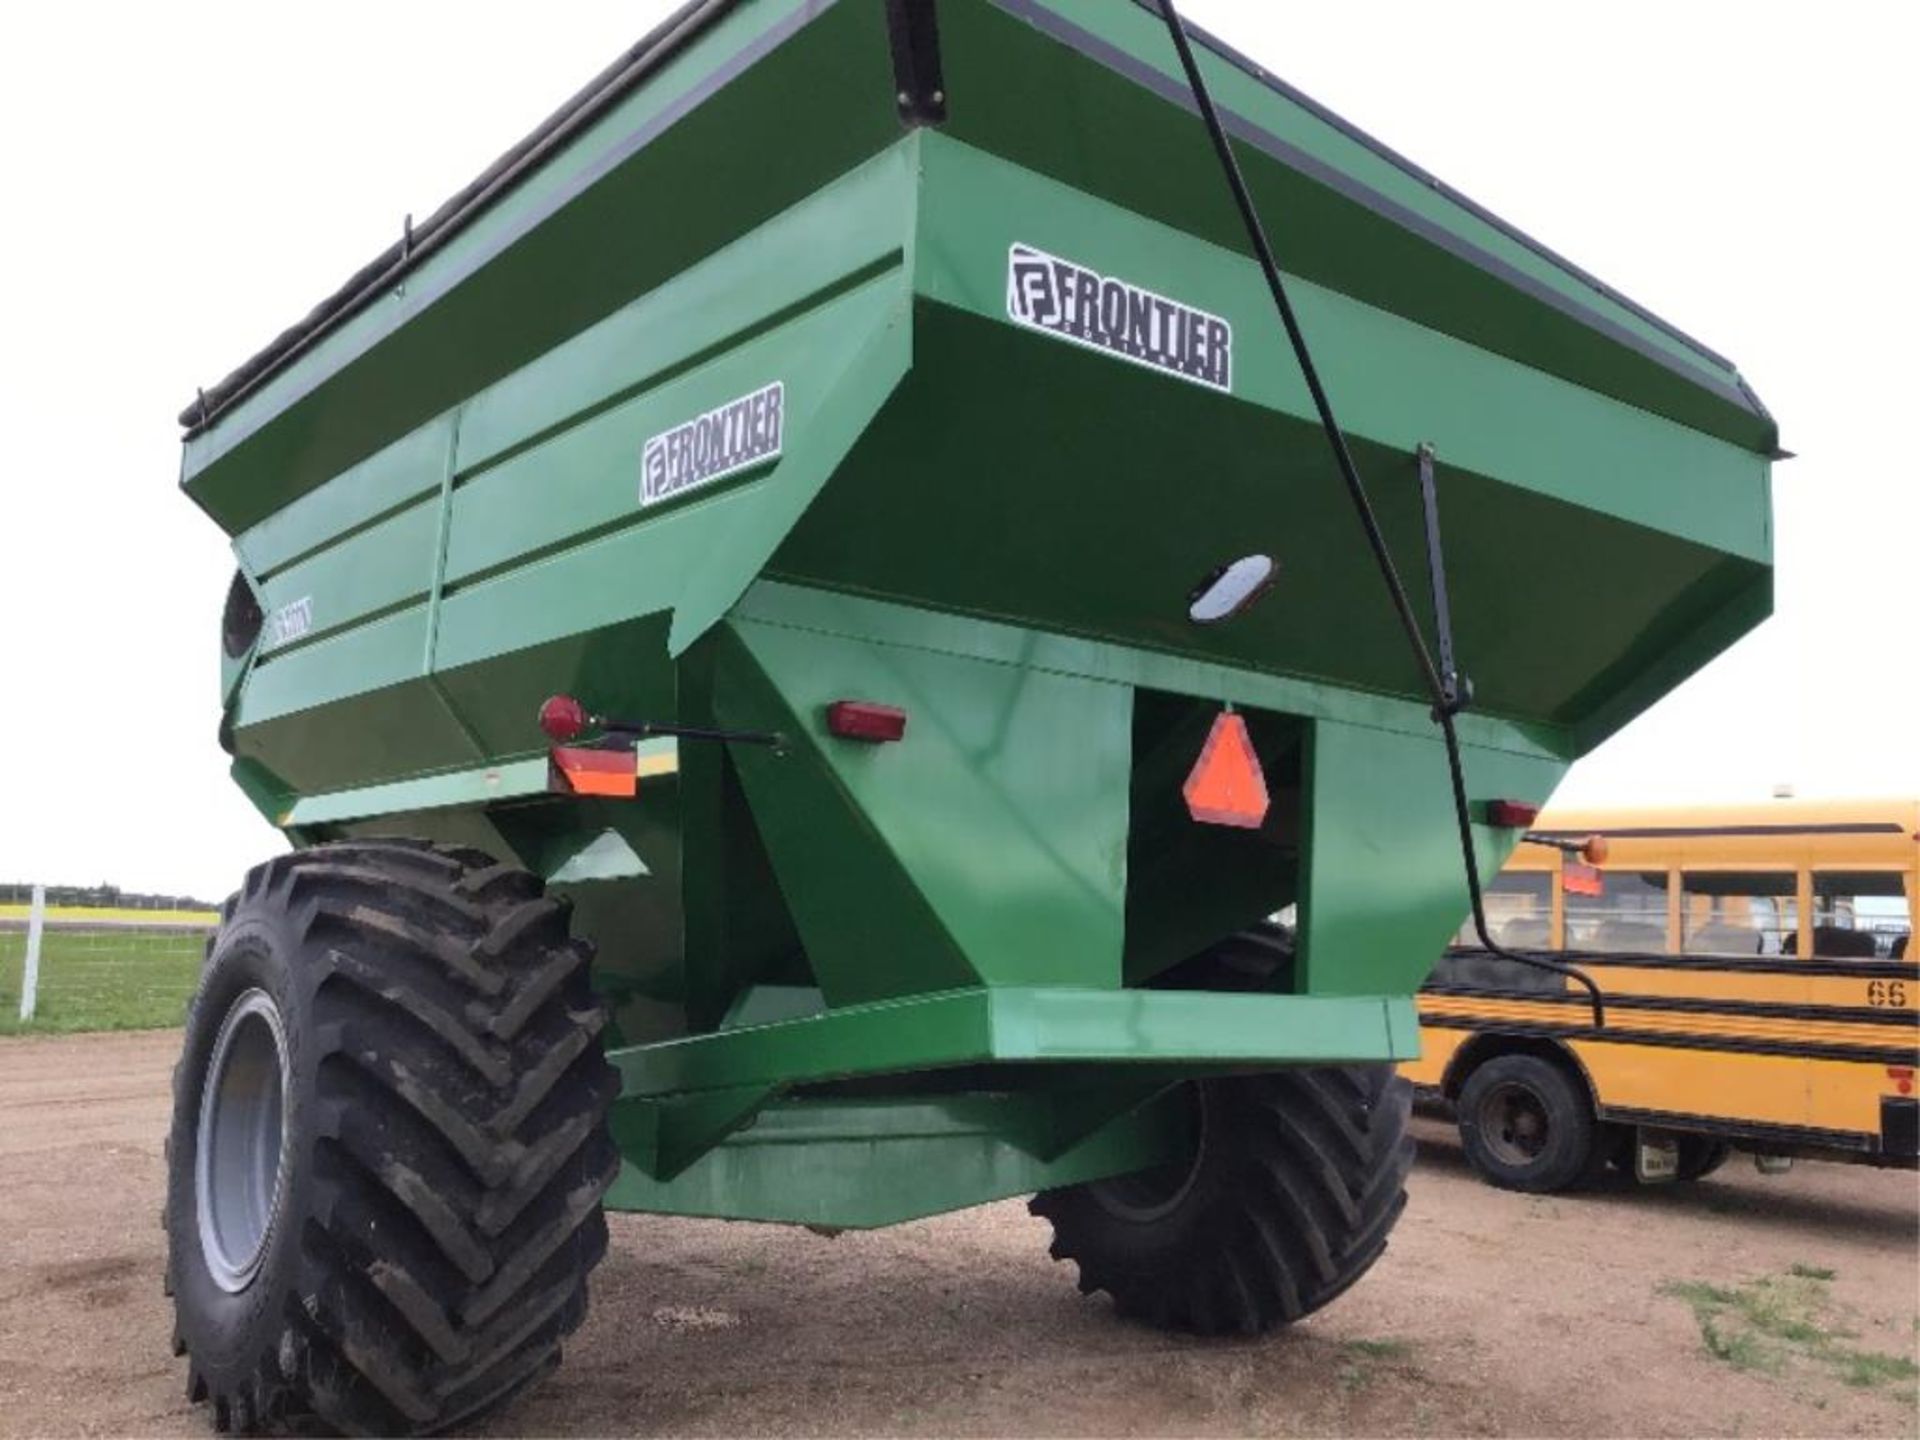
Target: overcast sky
[(184, 180)]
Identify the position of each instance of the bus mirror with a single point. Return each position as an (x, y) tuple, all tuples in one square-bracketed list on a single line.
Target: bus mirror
[(1594, 852)]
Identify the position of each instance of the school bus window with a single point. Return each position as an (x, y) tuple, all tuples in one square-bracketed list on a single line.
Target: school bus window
[(1860, 915), (1628, 914), (1738, 913), (1519, 911)]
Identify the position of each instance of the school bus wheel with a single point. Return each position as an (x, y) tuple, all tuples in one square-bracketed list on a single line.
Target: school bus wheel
[(1526, 1123), (1701, 1155)]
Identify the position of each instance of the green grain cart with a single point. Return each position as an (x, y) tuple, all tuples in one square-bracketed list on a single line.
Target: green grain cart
[(800, 627)]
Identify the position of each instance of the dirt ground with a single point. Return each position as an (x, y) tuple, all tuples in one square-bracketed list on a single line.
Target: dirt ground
[(1745, 1305)]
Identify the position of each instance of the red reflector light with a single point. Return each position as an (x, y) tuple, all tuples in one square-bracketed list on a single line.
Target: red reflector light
[(562, 717), (1227, 786), (1511, 814), (866, 720), (1902, 1077)]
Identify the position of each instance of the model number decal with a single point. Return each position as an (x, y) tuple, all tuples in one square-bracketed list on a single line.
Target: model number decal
[(722, 442), (1074, 303), (288, 623)]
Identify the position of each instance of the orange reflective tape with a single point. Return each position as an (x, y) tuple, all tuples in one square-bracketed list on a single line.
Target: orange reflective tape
[(584, 771), (1579, 879), (1227, 786)]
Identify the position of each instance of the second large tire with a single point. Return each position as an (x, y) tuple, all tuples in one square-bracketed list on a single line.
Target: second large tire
[(389, 1143), (1296, 1180)]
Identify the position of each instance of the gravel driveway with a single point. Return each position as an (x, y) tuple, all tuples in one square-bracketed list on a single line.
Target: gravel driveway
[(1744, 1305)]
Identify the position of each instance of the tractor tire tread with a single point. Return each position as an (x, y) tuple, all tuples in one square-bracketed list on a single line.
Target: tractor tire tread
[(460, 1152), (1308, 1172)]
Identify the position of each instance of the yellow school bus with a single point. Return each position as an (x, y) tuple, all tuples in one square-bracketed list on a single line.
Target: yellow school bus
[(1761, 993)]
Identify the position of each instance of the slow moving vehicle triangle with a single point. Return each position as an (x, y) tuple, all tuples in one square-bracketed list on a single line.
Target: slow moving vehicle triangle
[(1227, 786)]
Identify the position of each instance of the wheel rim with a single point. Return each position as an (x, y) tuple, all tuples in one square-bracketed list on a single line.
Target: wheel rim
[(1514, 1124), (241, 1145), (1144, 1196)]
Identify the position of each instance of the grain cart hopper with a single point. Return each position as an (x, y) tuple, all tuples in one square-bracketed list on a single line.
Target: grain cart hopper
[(798, 630)]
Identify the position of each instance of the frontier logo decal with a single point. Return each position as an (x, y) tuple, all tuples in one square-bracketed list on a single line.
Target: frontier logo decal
[(1098, 311), (727, 439)]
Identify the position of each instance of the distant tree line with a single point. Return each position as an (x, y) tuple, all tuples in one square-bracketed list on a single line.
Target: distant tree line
[(105, 896)]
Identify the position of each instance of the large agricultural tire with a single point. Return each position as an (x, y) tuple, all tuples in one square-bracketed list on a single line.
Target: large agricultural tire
[(1296, 1180), (389, 1143), (1526, 1124)]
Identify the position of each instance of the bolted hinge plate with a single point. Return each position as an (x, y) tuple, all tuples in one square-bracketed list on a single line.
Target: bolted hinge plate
[(919, 91)]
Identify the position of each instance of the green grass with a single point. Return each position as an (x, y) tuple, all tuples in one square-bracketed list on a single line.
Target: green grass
[(1741, 1349), (1866, 1368), (1781, 1321), (102, 979), (1362, 1360), (1379, 1349)]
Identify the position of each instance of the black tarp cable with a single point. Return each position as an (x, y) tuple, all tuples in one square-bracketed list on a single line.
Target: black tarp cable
[(1447, 700)]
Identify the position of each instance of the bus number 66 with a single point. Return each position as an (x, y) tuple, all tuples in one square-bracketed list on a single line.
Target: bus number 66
[(1887, 993)]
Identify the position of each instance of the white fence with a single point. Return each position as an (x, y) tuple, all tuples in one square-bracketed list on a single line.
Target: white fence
[(97, 967)]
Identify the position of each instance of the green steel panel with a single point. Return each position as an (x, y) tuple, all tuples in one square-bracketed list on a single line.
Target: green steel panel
[(747, 543), (398, 731), (1104, 131), (835, 238), (1170, 482), (1380, 805), (770, 1004), (375, 570), (500, 293), (1374, 796), (622, 666), (404, 473), (1393, 381), (692, 551), (1143, 38), (481, 786), (381, 653), (388, 734), (1670, 650), (853, 900), (584, 480), (1007, 810), (827, 613), (863, 1164), (1004, 1024)]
